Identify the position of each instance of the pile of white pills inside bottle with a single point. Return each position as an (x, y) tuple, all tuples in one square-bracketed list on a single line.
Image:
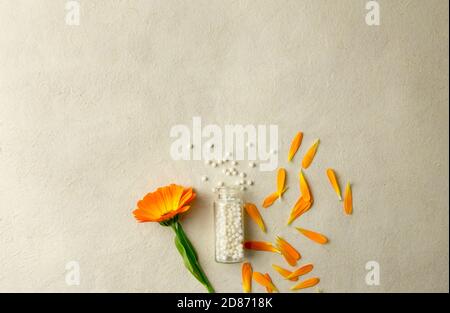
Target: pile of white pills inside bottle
[(229, 225)]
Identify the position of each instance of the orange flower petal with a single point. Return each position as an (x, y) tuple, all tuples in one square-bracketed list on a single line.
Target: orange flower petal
[(319, 238), (291, 261), (309, 156), (348, 200), (304, 188), (305, 269), (247, 272), (283, 245), (281, 181), (281, 189), (143, 216), (270, 200), (254, 214), (300, 207), (284, 272), (334, 182), (307, 283), (269, 288), (264, 281), (296, 142), (187, 196), (260, 246)]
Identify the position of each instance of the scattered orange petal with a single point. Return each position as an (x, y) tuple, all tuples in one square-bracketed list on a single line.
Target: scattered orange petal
[(309, 156), (291, 261), (269, 288), (270, 200), (247, 277), (300, 207), (281, 181), (254, 214), (260, 246), (296, 142), (284, 272), (285, 246), (281, 189), (304, 188), (305, 269), (319, 238), (334, 182), (311, 282), (348, 200), (264, 281)]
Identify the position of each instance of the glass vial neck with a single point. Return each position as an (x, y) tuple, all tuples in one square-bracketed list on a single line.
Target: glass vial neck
[(229, 193)]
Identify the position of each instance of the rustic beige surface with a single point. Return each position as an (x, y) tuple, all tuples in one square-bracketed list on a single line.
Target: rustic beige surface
[(85, 114)]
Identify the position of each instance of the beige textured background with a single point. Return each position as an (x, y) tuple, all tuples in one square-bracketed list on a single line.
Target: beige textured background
[(85, 114)]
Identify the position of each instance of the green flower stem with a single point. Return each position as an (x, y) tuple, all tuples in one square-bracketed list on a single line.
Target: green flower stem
[(188, 253)]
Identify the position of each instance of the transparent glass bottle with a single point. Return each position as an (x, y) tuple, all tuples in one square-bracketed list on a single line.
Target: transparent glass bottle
[(229, 225)]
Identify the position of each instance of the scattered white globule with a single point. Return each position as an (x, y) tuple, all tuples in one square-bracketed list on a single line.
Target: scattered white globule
[(230, 170)]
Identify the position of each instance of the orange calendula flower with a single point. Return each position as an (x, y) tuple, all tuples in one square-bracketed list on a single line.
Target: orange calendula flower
[(303, 270), (296, 142), (260, 246), (334, 182), (348, 200), (247, 277), (164, 204), (316, 237), (309, 156), (264, 281), (307, 283), (254, 214), (284, 272)]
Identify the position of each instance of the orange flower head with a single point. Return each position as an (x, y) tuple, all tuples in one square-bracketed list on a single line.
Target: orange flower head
[(164, 204)]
